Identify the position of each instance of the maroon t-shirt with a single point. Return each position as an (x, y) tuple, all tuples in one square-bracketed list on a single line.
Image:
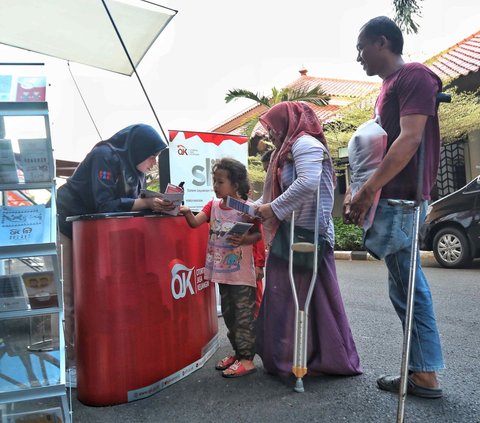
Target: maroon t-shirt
[(411, 90)]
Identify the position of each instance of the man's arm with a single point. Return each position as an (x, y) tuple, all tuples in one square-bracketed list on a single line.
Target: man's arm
[(400, 153)]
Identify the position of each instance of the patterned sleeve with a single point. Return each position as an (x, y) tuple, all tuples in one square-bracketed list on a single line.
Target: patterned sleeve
[(308, 155)]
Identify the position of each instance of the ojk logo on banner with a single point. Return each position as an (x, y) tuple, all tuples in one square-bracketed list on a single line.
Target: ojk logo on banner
[(186, 280), (192, 155)]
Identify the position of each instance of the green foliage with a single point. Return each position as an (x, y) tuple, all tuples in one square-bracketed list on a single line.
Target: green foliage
[(241, 93), (256, 175), (347, 237), (459, 117), (339, 131), (405, 13), (314, 95)]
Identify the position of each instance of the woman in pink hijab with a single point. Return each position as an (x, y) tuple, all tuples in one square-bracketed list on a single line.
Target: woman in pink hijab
[(300, 164)]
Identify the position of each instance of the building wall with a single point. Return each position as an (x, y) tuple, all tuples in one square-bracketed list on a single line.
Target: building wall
[(472, 159)]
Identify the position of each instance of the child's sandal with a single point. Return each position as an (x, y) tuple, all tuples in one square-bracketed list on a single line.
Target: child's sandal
[(225, 363)]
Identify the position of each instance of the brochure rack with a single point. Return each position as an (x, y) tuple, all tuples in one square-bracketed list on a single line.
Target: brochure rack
[(32, 353)]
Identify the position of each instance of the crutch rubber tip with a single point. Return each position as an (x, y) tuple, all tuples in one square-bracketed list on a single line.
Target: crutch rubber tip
[(299, 386)]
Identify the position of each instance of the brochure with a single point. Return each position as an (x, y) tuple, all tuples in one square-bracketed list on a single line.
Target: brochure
[(8, 168), (24, 225), (244, 207), (239, 228), (34, 160), (174, 188), (50, 415), (41, 289), (175, 197), (13, 295)]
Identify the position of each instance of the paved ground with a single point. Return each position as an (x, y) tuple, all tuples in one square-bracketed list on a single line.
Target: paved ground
[(205, 396)]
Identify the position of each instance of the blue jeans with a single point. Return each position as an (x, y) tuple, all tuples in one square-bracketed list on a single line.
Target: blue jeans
[(390, 237)]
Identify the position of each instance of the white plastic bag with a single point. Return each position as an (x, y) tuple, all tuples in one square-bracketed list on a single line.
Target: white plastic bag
[(366, 150)]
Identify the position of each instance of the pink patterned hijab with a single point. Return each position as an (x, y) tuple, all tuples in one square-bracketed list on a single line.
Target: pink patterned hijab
[(291, 120)]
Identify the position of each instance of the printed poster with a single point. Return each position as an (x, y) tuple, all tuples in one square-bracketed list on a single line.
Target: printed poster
[(192, 155)]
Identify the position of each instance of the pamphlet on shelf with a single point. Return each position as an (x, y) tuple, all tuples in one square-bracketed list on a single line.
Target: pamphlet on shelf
[(24, 225), (41, 289), (175, 197), (34, 159), (244, 207), (8, 167), (13, 295), (51, 415)]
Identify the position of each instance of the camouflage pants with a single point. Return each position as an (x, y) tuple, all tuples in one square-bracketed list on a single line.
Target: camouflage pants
[(238, 309)]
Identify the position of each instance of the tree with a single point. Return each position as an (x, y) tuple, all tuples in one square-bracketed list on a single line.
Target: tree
[(314, 96), (405, 13)]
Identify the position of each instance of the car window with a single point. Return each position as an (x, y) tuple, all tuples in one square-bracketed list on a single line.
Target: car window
[(474, 186)]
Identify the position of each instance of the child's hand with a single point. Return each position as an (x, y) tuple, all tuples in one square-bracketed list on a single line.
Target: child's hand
[(184, 210), (235, 240), (259, 274)]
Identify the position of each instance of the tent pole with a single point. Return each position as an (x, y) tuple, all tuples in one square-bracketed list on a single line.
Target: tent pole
[(135, 70)]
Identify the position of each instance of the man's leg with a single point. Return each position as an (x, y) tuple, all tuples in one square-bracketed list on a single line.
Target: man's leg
[(425, 353)]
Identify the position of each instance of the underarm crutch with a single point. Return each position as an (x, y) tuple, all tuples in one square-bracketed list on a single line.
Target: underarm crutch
[(416, 205), (299, 367)]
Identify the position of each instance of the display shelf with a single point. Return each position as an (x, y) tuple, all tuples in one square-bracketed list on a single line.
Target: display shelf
[(32, 347)]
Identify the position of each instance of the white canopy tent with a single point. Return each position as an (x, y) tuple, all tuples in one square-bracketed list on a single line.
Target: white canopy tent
[(113, 35), (82, 31)]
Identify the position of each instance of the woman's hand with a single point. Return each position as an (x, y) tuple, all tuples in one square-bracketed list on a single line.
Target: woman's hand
[(265, 211), (161, 204)]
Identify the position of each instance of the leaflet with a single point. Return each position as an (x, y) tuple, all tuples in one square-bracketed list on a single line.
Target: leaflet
[(244, 207), (239, 228), (175, 197)]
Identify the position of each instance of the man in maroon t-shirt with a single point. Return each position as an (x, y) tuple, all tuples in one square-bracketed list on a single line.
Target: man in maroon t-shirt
[(407, 108)]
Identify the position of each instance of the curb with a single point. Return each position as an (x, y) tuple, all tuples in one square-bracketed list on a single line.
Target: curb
[(363, 255)]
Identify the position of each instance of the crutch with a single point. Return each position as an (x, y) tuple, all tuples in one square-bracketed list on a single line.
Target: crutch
[(407, 336), (299, 367)]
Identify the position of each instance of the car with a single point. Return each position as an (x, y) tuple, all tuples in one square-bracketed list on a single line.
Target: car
[(452, 227)]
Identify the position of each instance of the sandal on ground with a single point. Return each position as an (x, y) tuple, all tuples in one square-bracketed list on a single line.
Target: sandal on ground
[(392, 384), (238, 370), (225, 363)]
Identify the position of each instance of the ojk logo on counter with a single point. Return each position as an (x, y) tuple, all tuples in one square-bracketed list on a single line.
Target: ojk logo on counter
[(185, 280)]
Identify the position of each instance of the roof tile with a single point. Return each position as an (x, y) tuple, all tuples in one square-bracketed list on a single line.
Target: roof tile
[(460, 59)]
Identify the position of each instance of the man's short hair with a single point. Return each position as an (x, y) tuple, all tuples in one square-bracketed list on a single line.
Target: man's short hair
[(381, 25)]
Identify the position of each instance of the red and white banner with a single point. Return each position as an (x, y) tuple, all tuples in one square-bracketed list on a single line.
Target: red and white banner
[(192, 155)]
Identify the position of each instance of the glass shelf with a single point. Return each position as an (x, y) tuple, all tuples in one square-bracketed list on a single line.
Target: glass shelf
[(29, 353), (32, 348)]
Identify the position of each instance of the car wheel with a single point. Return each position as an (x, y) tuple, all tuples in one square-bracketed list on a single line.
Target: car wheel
[(451, 249)]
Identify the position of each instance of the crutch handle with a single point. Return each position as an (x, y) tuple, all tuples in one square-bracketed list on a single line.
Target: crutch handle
[(303, 247)]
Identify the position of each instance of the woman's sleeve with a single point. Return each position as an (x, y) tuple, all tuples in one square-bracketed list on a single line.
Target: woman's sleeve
[(106, 174), (308, 155)]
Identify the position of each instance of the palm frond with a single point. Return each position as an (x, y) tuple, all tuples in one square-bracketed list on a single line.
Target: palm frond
[(314, 96), (241, 93)]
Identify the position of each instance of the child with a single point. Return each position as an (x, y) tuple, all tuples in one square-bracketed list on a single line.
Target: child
[(230, 263)]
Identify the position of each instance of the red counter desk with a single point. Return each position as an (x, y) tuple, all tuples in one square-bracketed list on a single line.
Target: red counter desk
[(145, 317)]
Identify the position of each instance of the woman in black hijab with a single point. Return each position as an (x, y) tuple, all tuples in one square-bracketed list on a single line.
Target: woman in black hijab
[(111, 176), (109, 179)]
